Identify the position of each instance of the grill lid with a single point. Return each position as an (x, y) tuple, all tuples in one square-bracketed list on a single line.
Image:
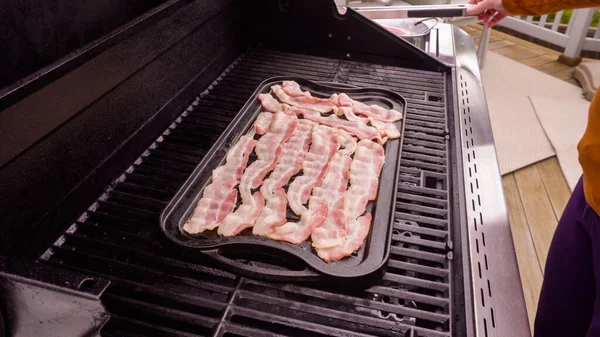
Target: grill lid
[(298, 25)]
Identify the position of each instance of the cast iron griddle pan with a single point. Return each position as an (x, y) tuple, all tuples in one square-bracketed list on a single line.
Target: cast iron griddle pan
[(239, 254)]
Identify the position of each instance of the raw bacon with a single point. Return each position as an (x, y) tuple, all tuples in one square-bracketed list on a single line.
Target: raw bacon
[(268, 151), (219, 198), (291, 93), (270, 104), (348, 112), (347, 142), (314, 167), (360, 130), (293, 89), (386, 129), (290, 162), (305, 101), (333, 231), (374, 111), (354, 125), (396, 31), (297, 232), (262, 123), (323, 146), (339, 174), (364, 180)]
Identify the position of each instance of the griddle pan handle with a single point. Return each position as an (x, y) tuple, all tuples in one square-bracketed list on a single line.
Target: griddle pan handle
[(268, 274)]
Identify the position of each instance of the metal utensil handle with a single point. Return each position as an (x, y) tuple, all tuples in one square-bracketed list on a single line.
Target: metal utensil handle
[(429, 28), (400, 12)]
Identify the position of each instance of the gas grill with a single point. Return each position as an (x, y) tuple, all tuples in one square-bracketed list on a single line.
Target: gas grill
[(95, 146)]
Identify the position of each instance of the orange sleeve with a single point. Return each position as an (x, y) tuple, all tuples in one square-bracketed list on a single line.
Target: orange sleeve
[(589, 156), (540, 7)]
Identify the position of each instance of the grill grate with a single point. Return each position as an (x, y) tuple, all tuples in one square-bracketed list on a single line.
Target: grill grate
[(161, 290)]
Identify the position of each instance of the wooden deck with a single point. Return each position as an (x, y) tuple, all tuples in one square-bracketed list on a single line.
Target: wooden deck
[(527, 53), (535, 195)]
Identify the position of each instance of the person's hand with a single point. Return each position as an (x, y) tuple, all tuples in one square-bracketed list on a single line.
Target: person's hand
[(488, 11)]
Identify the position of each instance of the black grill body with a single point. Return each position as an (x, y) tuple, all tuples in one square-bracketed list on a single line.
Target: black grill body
[(85, 188)]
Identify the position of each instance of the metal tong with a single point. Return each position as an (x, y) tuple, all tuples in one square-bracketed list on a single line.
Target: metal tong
[(401, 12)]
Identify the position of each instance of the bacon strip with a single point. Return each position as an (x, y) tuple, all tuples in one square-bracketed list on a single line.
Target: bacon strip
[(356, 126), (268, 151), (360, 130), (333, 231), (262, 123), (298, 232), (348, 112), (219, 198), (347, 142), (304, 100), (373, 111), (396, 31), (324, 145), (293, 89), (380, 118), (270, 104), (290, 162), (364, 180), (291, 93), (386, 130)]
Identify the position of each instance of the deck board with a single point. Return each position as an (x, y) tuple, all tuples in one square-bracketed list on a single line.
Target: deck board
[(552, 67), (538, 209), (500, 44), (529, 265), (563, 74), (539, 60), (557, 189), (519, 52)]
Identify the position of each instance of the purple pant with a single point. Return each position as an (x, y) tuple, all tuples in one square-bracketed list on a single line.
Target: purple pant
[(568, 304)]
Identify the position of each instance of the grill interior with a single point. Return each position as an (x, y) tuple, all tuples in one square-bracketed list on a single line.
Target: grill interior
[(162, 290)]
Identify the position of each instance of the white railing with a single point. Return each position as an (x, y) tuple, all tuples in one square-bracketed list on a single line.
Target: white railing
[(573, 37)]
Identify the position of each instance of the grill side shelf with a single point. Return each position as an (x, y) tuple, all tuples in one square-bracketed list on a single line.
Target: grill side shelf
[(498, 298)]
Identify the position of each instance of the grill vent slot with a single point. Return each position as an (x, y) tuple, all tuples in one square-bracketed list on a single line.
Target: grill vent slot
[(157, 290)]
